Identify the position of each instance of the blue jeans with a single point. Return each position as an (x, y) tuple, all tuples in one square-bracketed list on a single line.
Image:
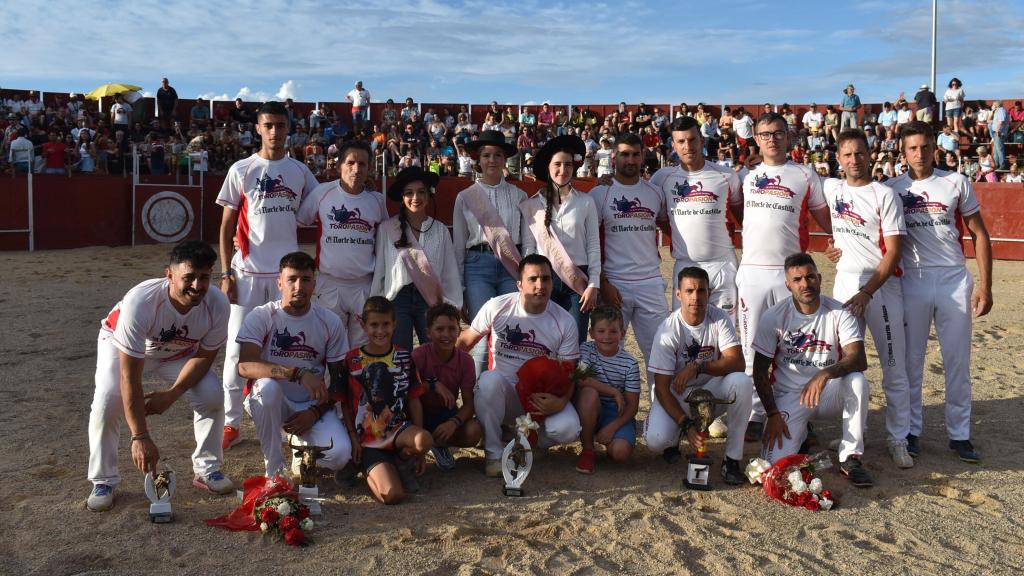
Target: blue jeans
[(998, 150), (484, 277), (410, 315), (567, 298)]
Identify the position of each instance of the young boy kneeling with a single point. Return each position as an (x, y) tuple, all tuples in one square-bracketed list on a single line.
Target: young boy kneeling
[(608, 401), (446, 371), (385, 392)]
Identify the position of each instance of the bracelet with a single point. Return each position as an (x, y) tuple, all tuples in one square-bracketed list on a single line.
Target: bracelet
[(458, 421), (297, 373), (869, 294), (140, 436), (317, 410)]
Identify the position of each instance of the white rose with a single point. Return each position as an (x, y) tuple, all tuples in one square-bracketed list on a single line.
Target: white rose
[(800, 487), (264, 526), (306, 524), (795, 477), (825, 503), (815, 486), (284, 508)]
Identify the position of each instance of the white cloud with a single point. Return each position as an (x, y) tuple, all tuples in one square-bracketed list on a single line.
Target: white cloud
[(213, 96), (288, 90)]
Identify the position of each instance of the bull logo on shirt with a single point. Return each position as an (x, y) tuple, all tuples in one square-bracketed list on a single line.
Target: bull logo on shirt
[(771, 185), (283, 344), (631, 208), (343, 218), (844, 210), (514, 338), (173, 333), (273, 188), (801, 342), (695, 352), (381, 397), (921, 204), (686, 192)]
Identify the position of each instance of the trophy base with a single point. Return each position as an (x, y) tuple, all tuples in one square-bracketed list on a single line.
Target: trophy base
[(160, 513), (512, 491), (698, 472), (310, 496)]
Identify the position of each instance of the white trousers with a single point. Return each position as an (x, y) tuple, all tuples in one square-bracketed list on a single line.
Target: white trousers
[(722, 286), (942, 295), (759, 289), (206, 399), (251, 291), (885, 319), (345, 298), (270, 408), (662, 432), (644, 308), (497, 404), (847, 397)]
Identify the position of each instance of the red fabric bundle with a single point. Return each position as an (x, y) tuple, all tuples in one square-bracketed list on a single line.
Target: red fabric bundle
[(256, 491), (542, 374), (774, 480)]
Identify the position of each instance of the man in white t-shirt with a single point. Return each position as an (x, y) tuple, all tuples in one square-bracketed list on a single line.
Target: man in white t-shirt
[(360, 99), (172, 328), (809, 365), (604, 157), (628, 208), (743, 125), (867, 224), (697, 195), (260, 196), (697, 348), (347, 216), (936, 283), (520, 326), (777, 195), (813, 120), (120, 114), (287, 348)]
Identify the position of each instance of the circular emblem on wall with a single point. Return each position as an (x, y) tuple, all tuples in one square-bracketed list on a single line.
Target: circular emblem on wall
[(167, 216)]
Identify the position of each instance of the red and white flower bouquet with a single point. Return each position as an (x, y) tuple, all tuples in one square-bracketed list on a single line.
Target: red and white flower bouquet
[(269, 505), (794, 480)]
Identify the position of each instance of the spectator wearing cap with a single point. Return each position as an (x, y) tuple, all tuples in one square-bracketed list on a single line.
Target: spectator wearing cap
[(926, 102), (851, 105)]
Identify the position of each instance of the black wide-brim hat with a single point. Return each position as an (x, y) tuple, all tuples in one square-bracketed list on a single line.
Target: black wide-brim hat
[(492, 138), (553, 146), (411, 174)]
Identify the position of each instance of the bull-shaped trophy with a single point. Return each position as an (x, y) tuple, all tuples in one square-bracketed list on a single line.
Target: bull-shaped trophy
[(309, 493), (702, 411), (159, 489), (517, 457)]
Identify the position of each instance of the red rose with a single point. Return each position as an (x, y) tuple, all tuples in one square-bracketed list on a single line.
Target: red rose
[(295, 536), (826, 494), (812, 505), (269, 515), (289, 523), (303, 512)]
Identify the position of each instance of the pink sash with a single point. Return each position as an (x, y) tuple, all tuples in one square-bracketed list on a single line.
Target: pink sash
[(419, 268), (571, 275), (497, 235)]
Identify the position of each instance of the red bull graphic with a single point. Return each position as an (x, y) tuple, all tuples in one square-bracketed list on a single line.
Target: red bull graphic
[(284, 345), (268, 188), (686, 192), (844, 211), (921, 204)]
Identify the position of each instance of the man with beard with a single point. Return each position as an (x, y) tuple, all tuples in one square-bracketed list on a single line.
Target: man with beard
[(173, 328)]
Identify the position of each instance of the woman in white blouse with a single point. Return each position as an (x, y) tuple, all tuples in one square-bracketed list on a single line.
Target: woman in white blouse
[(563, 226), (954, 104), (415, 259)]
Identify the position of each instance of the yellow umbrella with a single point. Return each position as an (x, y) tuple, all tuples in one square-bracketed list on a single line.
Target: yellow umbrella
[(110, 90)]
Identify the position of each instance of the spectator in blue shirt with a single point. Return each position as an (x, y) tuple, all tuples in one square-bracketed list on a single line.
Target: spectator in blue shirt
[(851, 104)]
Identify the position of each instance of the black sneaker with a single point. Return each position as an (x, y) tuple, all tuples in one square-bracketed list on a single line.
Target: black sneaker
[(965, 450), (672, 455), (731, 472), (855, 471), (913, 445), (443, 457), (754, 431)]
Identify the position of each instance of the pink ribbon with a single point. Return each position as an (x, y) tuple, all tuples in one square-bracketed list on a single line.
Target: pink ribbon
[(415, 261), (497, 235), (571, 275)]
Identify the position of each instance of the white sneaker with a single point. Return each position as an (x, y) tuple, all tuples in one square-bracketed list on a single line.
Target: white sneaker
[(492, 468), (101, 499), (900, 455), (215, 482), (718, 428)]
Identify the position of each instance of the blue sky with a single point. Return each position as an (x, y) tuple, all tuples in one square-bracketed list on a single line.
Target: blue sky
[(517, 51)]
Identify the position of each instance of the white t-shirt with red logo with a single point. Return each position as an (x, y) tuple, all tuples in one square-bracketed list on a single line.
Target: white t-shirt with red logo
[(697, 203), (266, 194), (347, 226), (933, 208), (677, 343), (309, 341), (145, 324), (516, 336), (861, 217), (776, 200), (801, 345), (627, 214)]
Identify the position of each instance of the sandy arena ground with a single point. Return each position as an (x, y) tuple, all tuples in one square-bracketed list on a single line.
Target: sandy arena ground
[(941, 517)]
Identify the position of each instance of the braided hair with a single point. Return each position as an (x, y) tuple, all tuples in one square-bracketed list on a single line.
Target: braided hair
[(550, 192), (403, 228)]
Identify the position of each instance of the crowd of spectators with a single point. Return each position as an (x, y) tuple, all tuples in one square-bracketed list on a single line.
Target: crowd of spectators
[(72, 136)]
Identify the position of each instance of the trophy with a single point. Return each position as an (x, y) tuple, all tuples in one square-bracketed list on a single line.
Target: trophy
[(159, 490), (702, 410), (517, 457), (309, 493)]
